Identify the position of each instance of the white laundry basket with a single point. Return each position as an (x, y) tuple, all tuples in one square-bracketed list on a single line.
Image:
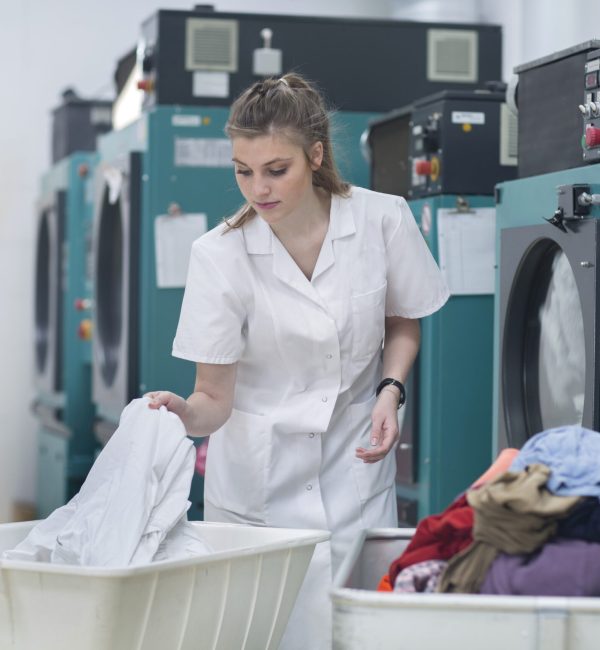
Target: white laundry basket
[(237, 598), (366, 619)]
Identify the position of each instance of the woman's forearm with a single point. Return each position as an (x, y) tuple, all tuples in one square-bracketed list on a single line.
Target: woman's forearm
[(204, 414), (402, 338)]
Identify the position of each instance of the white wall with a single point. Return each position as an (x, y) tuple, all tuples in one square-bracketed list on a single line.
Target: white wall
[(47, 45)]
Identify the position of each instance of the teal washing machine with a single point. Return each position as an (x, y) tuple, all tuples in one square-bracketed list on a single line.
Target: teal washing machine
[(546, 351), (168, 176), (548, 225), (62, 301), (62, 354), (445, 152)]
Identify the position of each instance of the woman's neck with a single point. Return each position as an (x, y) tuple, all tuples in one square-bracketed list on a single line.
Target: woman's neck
[(303, 225)]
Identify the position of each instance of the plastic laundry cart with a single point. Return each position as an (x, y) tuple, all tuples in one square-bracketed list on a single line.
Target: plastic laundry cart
[(366, 619), (238, 598)]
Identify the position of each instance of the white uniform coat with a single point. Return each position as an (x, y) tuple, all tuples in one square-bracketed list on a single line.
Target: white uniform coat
[(309, 360)]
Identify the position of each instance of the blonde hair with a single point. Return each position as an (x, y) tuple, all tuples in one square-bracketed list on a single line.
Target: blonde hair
[(293, 106)]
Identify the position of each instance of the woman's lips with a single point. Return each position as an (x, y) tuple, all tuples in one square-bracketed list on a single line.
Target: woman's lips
[(267, 206)]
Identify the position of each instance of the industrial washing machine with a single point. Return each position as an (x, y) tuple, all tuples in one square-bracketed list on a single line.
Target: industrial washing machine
[(546, 354), (62, 293), (448, 151), (547, 304), (167, 176)]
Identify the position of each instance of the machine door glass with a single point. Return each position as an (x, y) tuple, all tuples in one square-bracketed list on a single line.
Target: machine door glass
[(109, 285), (556, 347), (43, 272)]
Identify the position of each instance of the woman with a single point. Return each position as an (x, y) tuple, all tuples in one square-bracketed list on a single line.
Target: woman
[(285, 310)]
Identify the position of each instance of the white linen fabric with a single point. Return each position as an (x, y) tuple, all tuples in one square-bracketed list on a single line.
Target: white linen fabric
[(132, 507), (308, 356)]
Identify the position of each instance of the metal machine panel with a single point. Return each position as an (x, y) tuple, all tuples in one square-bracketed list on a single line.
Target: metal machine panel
[(405, 59), (77, 122), (456, 143), (550, 130), (437, 145), (546, 357)]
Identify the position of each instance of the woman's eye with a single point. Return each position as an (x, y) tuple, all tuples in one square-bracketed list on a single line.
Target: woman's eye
[(278, 172), (242, 172)]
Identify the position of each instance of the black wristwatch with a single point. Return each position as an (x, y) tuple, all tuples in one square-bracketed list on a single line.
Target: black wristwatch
[(388, 381)]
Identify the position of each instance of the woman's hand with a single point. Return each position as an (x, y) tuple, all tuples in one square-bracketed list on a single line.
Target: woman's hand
[(384, 429), (172, 402)]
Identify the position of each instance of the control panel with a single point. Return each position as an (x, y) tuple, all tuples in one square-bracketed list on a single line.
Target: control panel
[(461, 142), (590, 109)]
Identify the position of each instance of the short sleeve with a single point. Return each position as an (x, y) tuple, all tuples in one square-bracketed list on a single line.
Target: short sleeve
[(415, 285), (212, 317)]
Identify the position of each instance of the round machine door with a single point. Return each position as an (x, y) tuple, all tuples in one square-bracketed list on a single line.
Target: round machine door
[(114, 270), (47, 308), (548, 282)]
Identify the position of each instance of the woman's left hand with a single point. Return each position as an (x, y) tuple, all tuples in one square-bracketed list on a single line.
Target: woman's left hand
[(384, 429)]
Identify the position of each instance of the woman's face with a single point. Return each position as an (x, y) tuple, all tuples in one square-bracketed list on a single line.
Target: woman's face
[(274, 174)]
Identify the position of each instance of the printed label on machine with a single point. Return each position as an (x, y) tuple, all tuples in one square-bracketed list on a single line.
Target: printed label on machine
[(173, 238), (210, 84), (466, 243), (203, 152), (468, 117)]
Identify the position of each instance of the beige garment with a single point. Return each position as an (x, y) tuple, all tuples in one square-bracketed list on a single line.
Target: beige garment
[(514, 514)]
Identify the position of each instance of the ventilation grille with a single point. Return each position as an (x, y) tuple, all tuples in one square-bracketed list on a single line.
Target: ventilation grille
[(211, 45), (509, 136), (452, 55)]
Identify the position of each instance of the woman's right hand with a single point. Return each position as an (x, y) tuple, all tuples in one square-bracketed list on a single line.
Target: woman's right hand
[(171, 401)]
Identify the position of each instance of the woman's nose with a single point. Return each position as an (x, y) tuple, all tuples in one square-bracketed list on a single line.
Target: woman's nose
[(261, 187)]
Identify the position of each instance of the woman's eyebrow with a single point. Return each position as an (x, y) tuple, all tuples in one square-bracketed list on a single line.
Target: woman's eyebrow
[(270, 162)]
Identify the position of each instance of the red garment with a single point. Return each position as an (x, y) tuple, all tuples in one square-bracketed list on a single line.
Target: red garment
[(438, 537)]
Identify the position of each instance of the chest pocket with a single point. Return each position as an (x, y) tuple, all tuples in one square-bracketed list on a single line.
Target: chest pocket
[(368, 321)]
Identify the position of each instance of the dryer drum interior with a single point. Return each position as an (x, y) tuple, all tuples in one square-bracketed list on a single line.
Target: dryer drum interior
[(43, 272), (109, 286), (547, 324)]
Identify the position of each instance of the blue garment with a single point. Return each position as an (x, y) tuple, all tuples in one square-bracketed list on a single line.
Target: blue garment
[(573, 455)]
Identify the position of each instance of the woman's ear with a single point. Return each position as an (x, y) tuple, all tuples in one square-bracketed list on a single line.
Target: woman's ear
[(316, 156)]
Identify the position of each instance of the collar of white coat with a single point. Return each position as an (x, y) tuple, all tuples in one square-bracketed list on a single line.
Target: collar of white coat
[(258, 236)]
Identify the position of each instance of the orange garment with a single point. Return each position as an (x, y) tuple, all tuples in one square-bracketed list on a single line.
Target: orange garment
[(385, 584), (499, 466)]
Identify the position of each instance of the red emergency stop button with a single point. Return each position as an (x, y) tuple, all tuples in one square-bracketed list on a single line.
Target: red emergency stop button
[(592, 136), (84, 331), (81, 304), (147, 85), (423, 167)]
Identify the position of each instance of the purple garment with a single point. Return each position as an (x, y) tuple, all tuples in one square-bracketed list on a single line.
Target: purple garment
[(563, 567), (572, 453)]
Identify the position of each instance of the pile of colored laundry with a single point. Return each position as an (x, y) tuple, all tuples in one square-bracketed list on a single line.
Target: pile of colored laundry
[(531, 530)]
